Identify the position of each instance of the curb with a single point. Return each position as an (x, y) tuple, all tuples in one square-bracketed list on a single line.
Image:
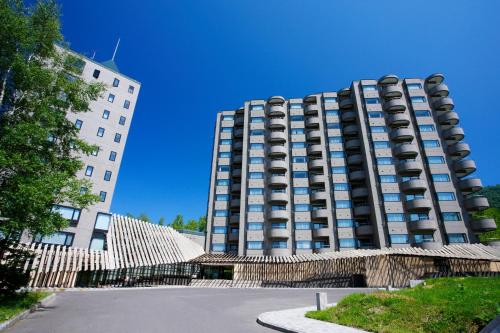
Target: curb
[(10, 322)]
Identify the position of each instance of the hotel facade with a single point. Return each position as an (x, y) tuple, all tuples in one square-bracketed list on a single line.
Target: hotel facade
[(379, 164)]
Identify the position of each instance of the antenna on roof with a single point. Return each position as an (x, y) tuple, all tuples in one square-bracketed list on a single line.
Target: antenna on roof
[(116, 49)]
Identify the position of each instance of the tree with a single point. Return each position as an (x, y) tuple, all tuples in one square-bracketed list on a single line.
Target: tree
[(202, 224), (144, 217), (178, 222), (192, 224), (161, 221), (39, 146)]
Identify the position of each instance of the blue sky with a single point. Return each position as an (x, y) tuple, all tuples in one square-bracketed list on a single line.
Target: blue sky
[(195, 58)]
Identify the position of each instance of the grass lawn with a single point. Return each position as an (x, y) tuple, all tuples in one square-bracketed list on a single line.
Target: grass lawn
[(441, 305), (10, 306)]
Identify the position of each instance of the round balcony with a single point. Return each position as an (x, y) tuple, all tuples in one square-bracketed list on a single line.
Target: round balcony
[(319, 196), (429, 245), (348, 116), (321, 232), (278, 215), (276, 100), (394, 105), (278, 252), (238, 133), (314, 135), (409, 168), (476, 203), (351, 130), (391, 91), (402, 135), (234, 219), (317, 179), (277, 151), (344, 92), (237, 159), (312, 122), (484, 225), (449, 119), (413, 186), (470, 185), (443, 104), (277, 123), (359, 193), (278, 165), (316, 165), (398, 119), (235, 203), (279, 233), (240, 111), (311, 109), (362, 211), (423, 225), (319, 214), (238, 146), (436, 78), (408, 150), (310, 99), (346, 103), (356, 159), (363, 230), (277, 110), (458, 150), (419, 205), (357, 176), (277, 137), (239, 121), (353, 144), (454, 134), (278, 197), (439, 90), (236, 173), (278, 181), (236, 188), (233, 237), (314, 150), (464, 167), (388, 79)]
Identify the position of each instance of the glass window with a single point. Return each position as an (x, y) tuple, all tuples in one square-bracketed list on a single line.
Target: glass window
[(122, 120), (225, 154), (95, 152), (337, 154), (89, 170), (372, 101), (254, 245), (422, 113), (345, 223), (457, 238), (256, 160), (96, 73), (338, 169), (257, 107), (112, 155), (105, 114), (58, 238), (384, 161), (278, 207), (255, 226), (256, 175), (375, 114), (419, 217), (435, 159), (219, 230), (302, 244), (299, 159), (107, 175), (278, 225), (413, 86), (116, 82), (223, 168), (332, 112), (333, 125), (426, 128), (335, 139), (102, 221), (100, 132), (451, 216), (69, 213), (98, 242), (302, 225), (347, 242), (118, 137), (300, 174), (126, 104), (111, 98), (131, 89), (102, 196), (255, 208), (422, 238), (399, 239), (223, 182), (222, 197), (298, 145), (78, 123), (369, 87), (220, 213), (257, 146), (219, 247), (395, 217), (390, 197), (378, 129), (255, 120), (381, 144), (343, 204), (301, 208), (255, 191), (296, 118), (387, 178), (441, 177), (227, 117), (278, 244), (445, 196), (300, 190), (295, 105), (431, 143), (226, 142), (256, 132), (297, 131), (341, 187), (418, 99), (330, 99)]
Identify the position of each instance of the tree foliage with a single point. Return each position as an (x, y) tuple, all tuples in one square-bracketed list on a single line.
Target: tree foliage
[(493, 195)]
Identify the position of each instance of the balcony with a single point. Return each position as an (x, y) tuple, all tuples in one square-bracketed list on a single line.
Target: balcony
[(419, 205), (449, 119), (349, 116), (436, 78), (317, 179), (398, 119), (402, 135), (314, 150), (319, 196), (351, 130), (454, 134), (346, 103), (310, 99), (238, 146), (443, 104), (279, 233), (312, 122), (476, 203), (233, 237), (484, 225), (235, 188), (314, 135), (321, 232), (280, 252), (407, 150), (391, 91), (278, 197), (356, 159), (470, 185), (277, 137), (277, 151), (464, 167), (236, 173), (359, 193), (316, 165), (239, 121), (278, 181), (234, 219), (319, 214), (237, 159), (429, 245), (439, 90), (357, 176), (409, 168), (278, 165), (388, 79), (362, 211), (277, 110), (344, 92), (311, 109), (458, 150), (277, 123), (413, 186), (240, 111), (394, 105), (353, 144), (423, 225), (276, 100), (238, 133), (364, 230), (278, 215), (235, 203)]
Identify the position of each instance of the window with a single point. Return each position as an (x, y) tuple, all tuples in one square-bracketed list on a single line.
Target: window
[(431, 143), (305, 245), (321, 245), (457, 238), (58, 238), (95, 152), (338, 169), (98, 242), (83, 190), (219, 230), (225, 154), (100, 132), (298, 145), (369, 87), (89, 170), (302, 225), (102, 221), (256, 160), (223, 168), (256, 132), (96, 73), (335, 139), (256, 175), (332, 113), (218, 247), (222, 197), (278, 244), (78, 123), (255, 226), (297, 131), (257, 146), (341, 187), (417, 99), (343, 204), (295, 105), (413, 86), (451, 216), (226, 129), (255, 191), (111, 98), (441, 177), (278, 207), (116, 82), (299, 159), (301, 208), (445, 196), (257, 107), (422, 238), (105, 114), (346, 242), (278, 190), (378, 129), (126, 104), (112, 155), (384, 161), (254, 245), (220, 213), (426, 128), (387, 178), (107, 175), (391, 197), (69, 213), (375, 114), (131, 89), (102, 196), (422, 113), (410, 197), (333, 125), (256, 208), (337, 154), (419, 217), (345, 223), (223, 182), (118, 137), (381, 144), (255, 120), (296, 118), (300, 190), (122, 120), (330, 99), (395, 217), (372, 101), (300, 174), (435, 159), (227, 117), (226, 142), (399, 239)]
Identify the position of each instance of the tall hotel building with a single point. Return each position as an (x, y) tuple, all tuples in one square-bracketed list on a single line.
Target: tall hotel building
[(379, 164), (107, 126)]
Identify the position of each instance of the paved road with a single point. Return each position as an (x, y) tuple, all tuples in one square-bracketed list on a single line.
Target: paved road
[(169, 310)]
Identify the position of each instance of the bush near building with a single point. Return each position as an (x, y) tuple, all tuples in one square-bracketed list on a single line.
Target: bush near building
[(13, 304)]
